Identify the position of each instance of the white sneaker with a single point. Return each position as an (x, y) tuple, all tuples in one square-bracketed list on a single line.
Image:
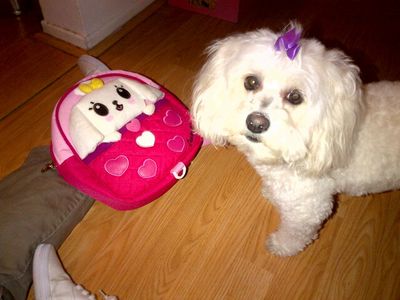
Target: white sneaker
[(90, 65), (50, 280)]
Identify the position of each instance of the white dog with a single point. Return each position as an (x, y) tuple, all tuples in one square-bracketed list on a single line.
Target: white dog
[(300, 114)]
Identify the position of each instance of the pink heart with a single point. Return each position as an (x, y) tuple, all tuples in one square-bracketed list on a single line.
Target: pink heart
[(133, 125), (117, 166), (148, 169), (176, 144), (172, 119)]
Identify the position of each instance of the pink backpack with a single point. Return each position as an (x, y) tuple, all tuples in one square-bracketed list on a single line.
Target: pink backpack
[(122, 139)]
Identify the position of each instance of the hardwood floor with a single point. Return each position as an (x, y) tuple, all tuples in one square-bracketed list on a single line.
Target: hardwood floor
[(204, 239)]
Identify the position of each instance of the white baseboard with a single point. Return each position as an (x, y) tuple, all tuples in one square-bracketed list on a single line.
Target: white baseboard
[(65, 35), (87, 40)]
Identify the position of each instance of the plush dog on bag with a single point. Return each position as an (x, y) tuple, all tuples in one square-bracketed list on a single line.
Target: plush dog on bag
[(305, 122)]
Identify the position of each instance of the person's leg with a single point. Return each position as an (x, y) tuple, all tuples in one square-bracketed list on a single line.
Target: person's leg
[(35, 208), (5, 294)]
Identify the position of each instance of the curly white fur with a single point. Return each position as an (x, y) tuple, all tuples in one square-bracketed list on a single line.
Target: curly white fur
[(342, 137)]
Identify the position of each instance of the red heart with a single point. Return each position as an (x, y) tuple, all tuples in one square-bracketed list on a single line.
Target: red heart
[(117, 166), (172, 118), (148, 169), (176, 144)]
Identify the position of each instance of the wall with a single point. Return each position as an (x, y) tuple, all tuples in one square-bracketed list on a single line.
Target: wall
[(85, 23)]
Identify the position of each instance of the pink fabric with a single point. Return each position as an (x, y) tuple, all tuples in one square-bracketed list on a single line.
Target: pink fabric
[(128, 174)]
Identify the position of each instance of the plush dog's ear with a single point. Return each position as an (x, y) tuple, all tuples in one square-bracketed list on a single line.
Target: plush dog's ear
[(340, 96), (210, 93)]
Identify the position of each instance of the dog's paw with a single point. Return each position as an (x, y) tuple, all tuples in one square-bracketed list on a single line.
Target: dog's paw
[(282, 244)]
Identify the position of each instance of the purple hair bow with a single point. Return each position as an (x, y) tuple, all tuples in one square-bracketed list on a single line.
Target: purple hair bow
[(289, 42)]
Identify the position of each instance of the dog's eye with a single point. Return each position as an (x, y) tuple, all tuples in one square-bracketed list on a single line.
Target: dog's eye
[(122, 92), (294, 97), (99, 109), (251, 83)]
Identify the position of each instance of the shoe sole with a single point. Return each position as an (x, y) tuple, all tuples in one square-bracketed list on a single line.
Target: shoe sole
[(41, 272)]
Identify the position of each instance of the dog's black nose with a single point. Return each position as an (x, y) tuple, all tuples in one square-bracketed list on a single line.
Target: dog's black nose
[(257, 122)]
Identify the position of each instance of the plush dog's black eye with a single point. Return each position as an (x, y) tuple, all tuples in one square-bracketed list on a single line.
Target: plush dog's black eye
[(123, 92), (99, 109), (294, 97), (251, 83)]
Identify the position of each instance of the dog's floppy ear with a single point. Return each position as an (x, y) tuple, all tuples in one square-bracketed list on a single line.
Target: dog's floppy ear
[(333, 136), (210, 93)]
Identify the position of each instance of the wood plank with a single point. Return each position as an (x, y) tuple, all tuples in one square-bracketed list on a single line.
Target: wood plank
[(28, 66), (29, 125), (204, 239)]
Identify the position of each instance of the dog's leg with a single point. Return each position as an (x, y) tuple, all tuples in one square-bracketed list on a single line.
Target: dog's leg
[(302, 214)]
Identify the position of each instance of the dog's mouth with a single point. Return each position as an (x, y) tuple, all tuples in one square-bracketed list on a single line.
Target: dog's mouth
[(118, 106), (252, 138)]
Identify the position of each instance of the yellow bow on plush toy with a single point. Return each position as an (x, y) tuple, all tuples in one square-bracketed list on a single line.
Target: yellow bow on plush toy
[(94, 84)]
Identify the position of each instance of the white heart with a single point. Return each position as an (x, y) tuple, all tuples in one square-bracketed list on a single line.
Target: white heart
[(146, 139)]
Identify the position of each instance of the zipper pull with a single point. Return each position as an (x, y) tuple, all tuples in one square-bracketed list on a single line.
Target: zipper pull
[(48, 166)]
